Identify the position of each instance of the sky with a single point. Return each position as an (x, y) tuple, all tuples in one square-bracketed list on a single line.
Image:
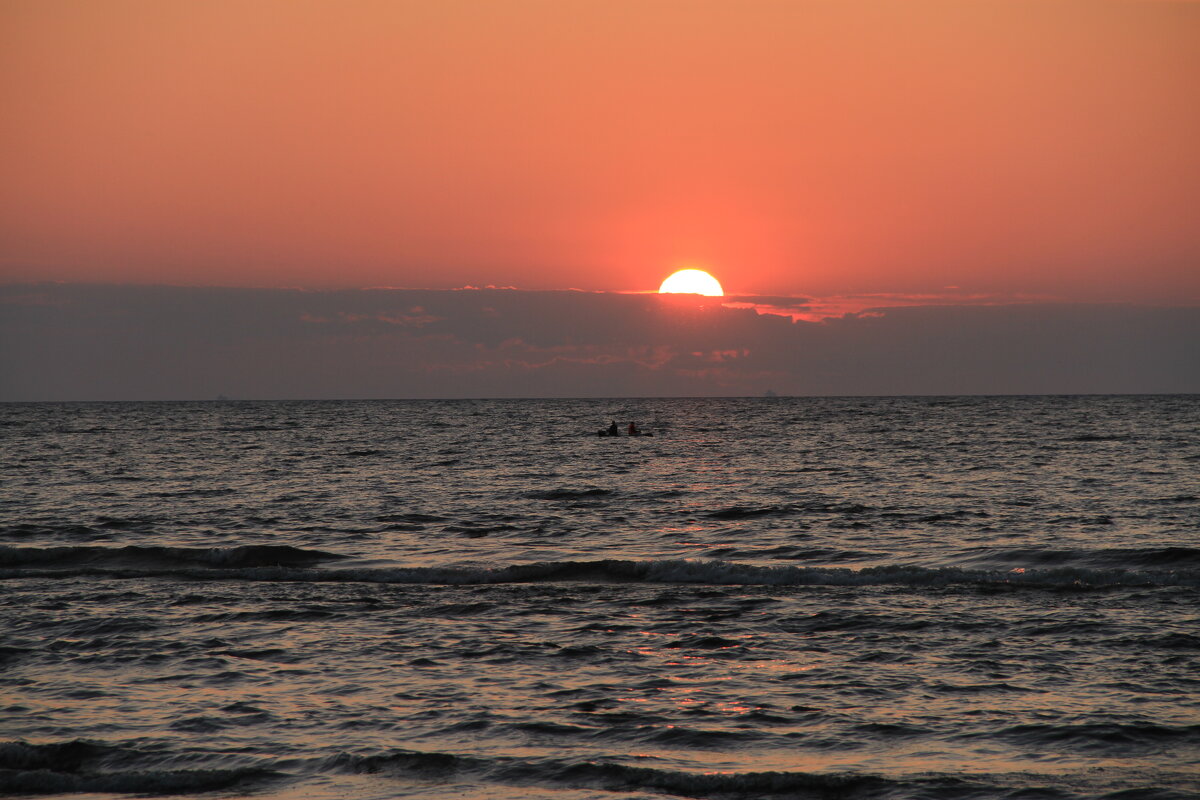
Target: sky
[(819, 158), (1043, 148)]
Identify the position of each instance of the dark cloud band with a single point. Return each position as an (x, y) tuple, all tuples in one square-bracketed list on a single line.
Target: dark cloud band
[(87, 342)]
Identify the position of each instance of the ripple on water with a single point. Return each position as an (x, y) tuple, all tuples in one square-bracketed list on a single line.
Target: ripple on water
[(875, 598)]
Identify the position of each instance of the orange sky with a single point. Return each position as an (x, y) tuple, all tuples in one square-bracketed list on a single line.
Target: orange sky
[(1025, 148)]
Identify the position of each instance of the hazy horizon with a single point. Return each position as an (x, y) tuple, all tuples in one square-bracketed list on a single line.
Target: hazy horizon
[(111, 342)]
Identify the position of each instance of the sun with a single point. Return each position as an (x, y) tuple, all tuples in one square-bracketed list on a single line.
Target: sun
[(692, 281)]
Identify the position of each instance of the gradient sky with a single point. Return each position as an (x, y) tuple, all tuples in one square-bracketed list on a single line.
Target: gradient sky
[(1039, 149)]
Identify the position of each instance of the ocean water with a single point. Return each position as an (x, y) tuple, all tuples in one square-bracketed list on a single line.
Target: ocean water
[(813, 598)]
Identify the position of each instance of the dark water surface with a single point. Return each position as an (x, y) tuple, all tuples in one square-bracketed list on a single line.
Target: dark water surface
[(860, 598)]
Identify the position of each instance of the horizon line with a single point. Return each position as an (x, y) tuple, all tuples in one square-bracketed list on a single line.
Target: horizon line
[(763, 396)]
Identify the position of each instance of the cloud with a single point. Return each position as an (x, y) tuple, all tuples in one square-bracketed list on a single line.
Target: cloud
[(811, 309), (87, 342)]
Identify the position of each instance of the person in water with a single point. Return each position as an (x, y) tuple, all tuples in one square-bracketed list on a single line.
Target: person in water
[(633, 431), (613, 430)]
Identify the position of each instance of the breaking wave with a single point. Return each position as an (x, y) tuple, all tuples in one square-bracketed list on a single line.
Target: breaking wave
[(1111, 557), (614, 777), (94, 767), (272, 563), (86, 767)]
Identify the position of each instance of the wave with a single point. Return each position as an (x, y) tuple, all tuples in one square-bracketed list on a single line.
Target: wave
[(569, 494), (749, 512), (1111, 557), (823, 555), (78, 767), (93, 767), (1097, 437), (611, 777), (1179, 498), (216, 492), (278, 563), (149, 782), (814, 506), (31, 530), (244, 556), (1091, 737), (411, 518)]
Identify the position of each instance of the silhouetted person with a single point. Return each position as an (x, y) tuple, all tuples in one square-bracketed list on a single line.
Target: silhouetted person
[(613, 430), (633, 431)]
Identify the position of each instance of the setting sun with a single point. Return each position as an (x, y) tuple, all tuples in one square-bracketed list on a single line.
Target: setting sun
[(692, 281)]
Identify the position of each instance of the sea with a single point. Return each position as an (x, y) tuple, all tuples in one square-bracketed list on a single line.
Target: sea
[(911, 597)]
